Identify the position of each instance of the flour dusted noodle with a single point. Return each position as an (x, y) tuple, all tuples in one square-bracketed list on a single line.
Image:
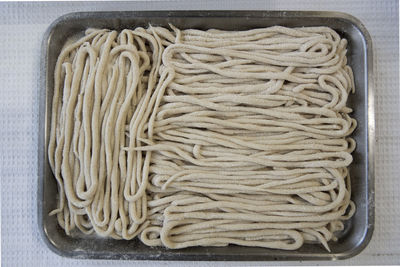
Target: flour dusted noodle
[(204, 138)]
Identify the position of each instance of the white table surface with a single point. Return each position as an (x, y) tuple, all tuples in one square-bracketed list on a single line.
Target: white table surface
[(22, 26)]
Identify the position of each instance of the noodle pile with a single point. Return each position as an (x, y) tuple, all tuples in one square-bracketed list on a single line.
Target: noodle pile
[(204, 138)]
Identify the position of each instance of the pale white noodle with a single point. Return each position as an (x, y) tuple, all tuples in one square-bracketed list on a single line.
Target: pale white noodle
[(204, 138)]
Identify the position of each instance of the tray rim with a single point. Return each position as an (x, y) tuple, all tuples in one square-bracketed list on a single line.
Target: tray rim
[(44, 110)]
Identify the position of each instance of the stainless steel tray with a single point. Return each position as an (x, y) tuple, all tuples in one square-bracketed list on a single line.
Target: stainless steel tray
[(358, 230)]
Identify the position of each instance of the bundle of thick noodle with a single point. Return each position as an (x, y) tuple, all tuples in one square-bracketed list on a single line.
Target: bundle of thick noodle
[(204, 138)]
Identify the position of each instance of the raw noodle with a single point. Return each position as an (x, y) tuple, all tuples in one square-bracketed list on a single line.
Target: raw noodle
[(204, 138)]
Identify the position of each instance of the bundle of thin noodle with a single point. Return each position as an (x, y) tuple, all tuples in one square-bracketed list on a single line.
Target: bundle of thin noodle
[(204, 138), (105, 86)]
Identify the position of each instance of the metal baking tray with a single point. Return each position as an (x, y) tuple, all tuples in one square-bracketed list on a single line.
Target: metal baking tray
[(358, 230)]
